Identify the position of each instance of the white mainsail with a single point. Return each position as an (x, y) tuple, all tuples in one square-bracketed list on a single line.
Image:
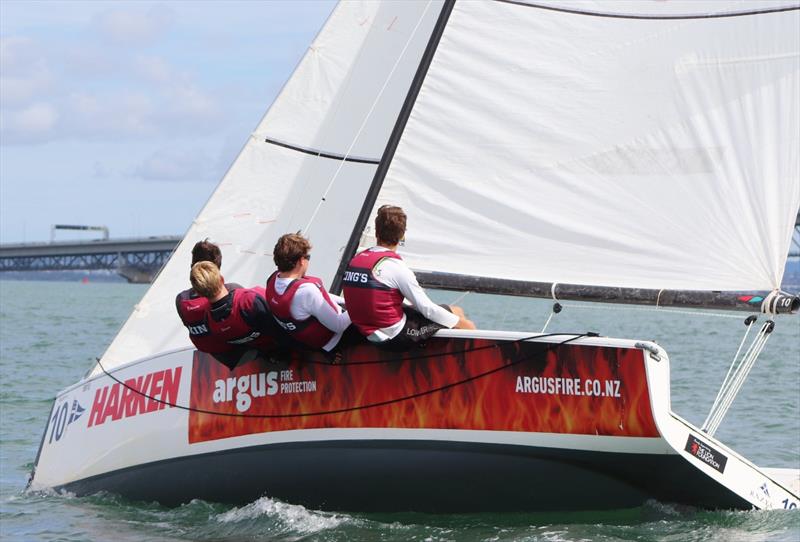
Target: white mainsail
[(594, 148), (568, 142), (343, 99)]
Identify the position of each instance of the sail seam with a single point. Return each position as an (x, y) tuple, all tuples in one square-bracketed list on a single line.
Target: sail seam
[(321, 154), (652, 17)]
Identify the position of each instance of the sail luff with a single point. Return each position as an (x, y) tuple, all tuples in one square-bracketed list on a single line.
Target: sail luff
[(766, 302), (391, 146)]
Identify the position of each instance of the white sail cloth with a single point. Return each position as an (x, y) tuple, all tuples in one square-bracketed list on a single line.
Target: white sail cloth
[(342, 99), (611, 151)]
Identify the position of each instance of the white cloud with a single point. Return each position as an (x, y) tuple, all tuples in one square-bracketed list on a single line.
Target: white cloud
[(88, 61), (134, 26), (25, 74), (153, 68), (35, 123), (101, 170), (177, 164)]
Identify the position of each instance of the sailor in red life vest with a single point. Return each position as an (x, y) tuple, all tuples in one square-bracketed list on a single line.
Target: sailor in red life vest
[(237, 324), (193, 308), (377, 282), (298, 302)]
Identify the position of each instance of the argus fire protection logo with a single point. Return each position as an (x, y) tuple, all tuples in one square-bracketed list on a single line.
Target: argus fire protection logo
[(706, 453)]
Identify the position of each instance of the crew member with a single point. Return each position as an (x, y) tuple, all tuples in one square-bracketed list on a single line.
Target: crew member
[(193, 308), (376, 284), (237, 324), (299, 302)]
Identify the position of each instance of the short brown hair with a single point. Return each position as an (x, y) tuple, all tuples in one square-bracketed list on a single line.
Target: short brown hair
[(206, 279), (206, 251), (390, 224), (289, 249)]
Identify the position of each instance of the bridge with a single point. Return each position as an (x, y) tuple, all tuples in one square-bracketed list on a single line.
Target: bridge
[(136, 259)]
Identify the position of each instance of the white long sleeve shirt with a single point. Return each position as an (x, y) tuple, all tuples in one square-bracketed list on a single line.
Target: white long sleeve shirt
[(395, 273), (308, 301)]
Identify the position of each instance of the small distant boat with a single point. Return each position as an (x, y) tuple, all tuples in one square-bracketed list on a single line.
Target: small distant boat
[(644, 154)]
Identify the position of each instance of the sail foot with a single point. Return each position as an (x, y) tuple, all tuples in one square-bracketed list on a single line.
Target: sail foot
[(775, 302)]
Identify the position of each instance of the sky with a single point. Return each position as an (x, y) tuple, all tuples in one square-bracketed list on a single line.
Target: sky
[(126, 114)]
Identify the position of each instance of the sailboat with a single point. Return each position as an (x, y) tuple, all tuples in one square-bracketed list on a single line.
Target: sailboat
[(619, 152)]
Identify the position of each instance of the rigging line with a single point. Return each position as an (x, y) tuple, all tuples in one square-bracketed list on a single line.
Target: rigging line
[(547, 323), (452, 353), (749, 321), (651, 17), (347, 409), (459, 298), (730, 387), (321, 154), (366, 118), (748, 362)]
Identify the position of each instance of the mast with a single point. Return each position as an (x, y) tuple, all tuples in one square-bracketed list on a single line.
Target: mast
[(391, 146), (767, 302)]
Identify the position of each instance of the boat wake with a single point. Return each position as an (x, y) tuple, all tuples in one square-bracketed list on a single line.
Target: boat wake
[(284, 516)]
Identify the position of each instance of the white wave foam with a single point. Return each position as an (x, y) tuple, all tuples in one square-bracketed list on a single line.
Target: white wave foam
[(49, 492), (293, 516)]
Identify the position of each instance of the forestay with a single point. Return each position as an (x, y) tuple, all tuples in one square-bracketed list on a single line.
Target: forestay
[(624, 144), (341, 102)]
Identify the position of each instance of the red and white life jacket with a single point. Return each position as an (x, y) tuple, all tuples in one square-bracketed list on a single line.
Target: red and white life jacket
[(310, 331), (217, 336), (371, 304)]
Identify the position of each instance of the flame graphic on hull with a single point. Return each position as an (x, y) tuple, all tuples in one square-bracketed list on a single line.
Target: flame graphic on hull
[(608, 393)]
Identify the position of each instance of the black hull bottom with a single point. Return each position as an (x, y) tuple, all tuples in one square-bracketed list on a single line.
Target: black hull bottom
[(421, 476)]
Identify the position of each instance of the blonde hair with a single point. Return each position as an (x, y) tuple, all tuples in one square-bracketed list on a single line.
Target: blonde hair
[(206, 279)]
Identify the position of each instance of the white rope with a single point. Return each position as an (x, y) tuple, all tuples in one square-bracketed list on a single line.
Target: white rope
[(553, 310), (548, 321), (725, 381), (739, 380), (728, 387), (459, 298), (364, 122), (739, 376)]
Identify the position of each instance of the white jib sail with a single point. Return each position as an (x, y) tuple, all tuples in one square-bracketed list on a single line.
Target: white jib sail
[(343, 99), (557, 146)]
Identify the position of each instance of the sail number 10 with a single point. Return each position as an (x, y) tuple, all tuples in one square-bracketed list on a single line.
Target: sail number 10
[(789, 505), (58, 423)]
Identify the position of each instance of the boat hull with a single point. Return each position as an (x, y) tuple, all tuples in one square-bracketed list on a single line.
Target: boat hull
[(474, 422), (425, 476)]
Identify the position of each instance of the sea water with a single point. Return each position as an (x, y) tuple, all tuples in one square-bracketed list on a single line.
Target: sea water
[(51, 332)]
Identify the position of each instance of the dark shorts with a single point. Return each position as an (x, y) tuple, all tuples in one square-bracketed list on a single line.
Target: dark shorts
[(416, 330)]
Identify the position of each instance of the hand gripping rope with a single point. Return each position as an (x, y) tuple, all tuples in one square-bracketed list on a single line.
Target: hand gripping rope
[(737, 374), (521, 359)]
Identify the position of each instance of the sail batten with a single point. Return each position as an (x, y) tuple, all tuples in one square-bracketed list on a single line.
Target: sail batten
[(708, 14), (322, 154)]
